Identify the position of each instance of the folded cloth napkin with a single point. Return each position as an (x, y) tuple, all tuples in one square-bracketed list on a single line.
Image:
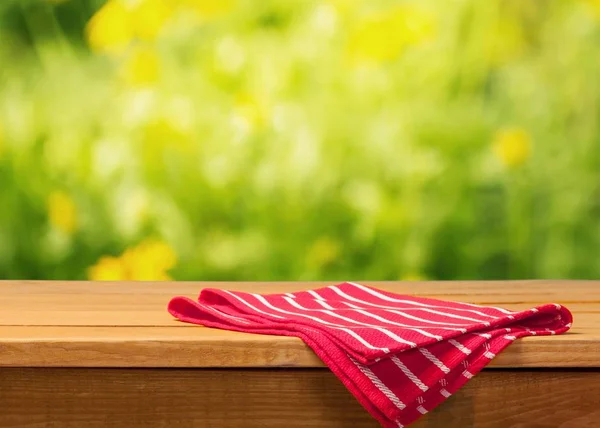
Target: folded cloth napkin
[(400, 356)]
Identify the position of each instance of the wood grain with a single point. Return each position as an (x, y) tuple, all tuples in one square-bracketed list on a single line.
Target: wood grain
[(203, 347), (153, 398), (126, 324)]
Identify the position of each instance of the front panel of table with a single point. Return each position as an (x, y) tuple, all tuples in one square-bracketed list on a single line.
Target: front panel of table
[(264, 398)]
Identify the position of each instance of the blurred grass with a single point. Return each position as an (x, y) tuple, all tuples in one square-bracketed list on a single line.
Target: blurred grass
[(299, 140)]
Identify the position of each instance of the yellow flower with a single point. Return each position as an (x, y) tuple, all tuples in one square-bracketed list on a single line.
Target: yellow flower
[(384, 36), (62, 212), (108, 269), (150, 16), (141, 68), (119, 22), (148, 261), (111, 29), (323, 252), (512, 146)]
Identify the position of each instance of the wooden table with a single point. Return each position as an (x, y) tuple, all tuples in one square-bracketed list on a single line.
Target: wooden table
[(78, 354)]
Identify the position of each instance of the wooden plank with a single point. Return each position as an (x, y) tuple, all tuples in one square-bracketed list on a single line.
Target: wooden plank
[(485, 292), (159, 317), (144, 304), (108, 317), (72, 305), (148, 347), (152, 398), (204, 347)]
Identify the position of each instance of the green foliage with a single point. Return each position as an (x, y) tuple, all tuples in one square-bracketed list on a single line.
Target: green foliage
[(303, 140)]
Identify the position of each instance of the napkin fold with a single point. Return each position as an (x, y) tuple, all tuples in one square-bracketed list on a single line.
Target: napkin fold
[(400, 356)]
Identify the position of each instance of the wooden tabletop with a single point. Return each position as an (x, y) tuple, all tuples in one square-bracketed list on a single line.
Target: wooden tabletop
[(126, 324)]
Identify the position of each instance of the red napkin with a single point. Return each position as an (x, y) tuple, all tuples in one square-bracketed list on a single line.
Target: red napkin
[(400, 356)]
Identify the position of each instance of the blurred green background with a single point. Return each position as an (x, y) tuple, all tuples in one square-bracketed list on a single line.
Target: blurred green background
[(299, 139)]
